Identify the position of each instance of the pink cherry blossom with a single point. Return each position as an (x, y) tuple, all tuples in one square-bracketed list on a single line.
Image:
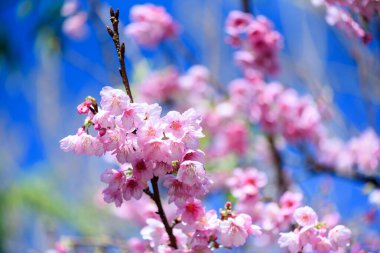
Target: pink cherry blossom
[(68, 143), (305, 216), (133, 188), (291, 241), (289, 201), (191, 172), (75, 26), (161, 86), (150, 25), (339, 236), (233, 231), (257, 41), (192, 211), (114, 100)]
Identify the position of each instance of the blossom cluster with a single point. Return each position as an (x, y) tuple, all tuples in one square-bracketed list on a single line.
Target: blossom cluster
[(74, 24), (277, 109), (149, 147), (228, 134), (204, 231), (272, 216), (150, 25), (340, 14), (362, 152), (180, 91), (155, 146), (258, 43), (311, 235)]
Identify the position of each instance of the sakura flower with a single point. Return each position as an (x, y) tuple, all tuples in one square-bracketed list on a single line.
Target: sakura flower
[(129, 120), (137, 245), (191, 211), (322, 245), (75, 25), (339, 236), (85, 144), (142, 170), (209, 222), (69, 7), (133, 188), (199, 241), (113, 177), (150, 25), (153, 232), (289, 201), (161, 86), (234, 231), (114, 100), (257, 40), (104, 119), (191, 172), (111, 194), (68, 143), (291, 241), (178, 192), (305, 216)]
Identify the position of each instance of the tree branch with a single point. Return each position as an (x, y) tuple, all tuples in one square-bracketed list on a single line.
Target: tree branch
[(155, 196), (246, 6), (120, 49), (321, 168), (282, 182)]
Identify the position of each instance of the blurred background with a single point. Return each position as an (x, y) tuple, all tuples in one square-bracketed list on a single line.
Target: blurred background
[(48, 66)]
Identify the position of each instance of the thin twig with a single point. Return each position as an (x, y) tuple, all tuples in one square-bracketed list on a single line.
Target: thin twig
[(155, 196), (176, 221), (120, 49)]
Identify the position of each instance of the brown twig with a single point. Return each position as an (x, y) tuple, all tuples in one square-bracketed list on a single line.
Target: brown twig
[(321, 168), (120, 49), (282, 182), (155, 196), (175, 222), (246, 6)]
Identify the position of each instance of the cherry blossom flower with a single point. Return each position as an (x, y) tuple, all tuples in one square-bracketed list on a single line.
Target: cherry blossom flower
[(305, 216), (192, 211), (150, 25)]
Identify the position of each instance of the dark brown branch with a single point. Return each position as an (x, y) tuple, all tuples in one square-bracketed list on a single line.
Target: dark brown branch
[(282, 182), (155, 196), (321, 168), (120, 49), (245, 4)]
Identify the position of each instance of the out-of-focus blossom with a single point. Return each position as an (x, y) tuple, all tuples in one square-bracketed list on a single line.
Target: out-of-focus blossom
[(75, 26), (150, 25), (314, 235), (351, 16), (374, 197), (258, 43), (69, 7)]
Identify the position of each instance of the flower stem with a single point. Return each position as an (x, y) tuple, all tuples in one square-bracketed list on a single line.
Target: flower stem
[(120, 49), (155, 196)]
